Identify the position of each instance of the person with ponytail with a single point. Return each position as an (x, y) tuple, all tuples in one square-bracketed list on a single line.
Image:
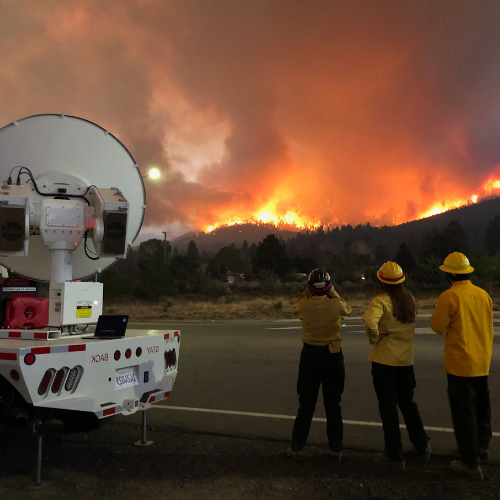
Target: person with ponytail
[(390, 325)]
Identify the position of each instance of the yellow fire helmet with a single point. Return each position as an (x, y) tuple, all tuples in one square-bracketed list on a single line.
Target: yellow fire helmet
[(456, 263), (391, 273)]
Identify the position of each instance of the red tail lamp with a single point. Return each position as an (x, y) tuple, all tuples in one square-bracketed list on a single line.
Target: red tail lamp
[(117, 355), (167, 358), (29, 358), (128, 353), (15, 375), (44, 384), (138, 351), (58, 380)]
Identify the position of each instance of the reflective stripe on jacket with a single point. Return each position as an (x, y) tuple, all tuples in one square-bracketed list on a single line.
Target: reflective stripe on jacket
[(320, 315), (464, 313), (392, 340)]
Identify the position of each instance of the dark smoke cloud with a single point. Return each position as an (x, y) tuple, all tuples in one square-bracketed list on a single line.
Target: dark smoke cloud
[(342, 111)]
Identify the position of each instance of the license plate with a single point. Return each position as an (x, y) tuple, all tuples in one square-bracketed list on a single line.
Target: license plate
[(126, 377)]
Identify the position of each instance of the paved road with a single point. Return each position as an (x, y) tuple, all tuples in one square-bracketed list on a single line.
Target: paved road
[(252, 367)]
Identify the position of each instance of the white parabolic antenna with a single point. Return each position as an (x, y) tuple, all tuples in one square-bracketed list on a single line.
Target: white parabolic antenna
[(60, 144)]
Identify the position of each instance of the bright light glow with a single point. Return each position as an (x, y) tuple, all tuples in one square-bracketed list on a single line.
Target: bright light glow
[(269, 213), (154, 173)]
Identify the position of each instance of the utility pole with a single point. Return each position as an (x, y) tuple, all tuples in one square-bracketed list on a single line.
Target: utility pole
[(165, 248)]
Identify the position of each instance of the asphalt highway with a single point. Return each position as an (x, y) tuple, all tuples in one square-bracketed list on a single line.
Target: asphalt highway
[(239, 378)]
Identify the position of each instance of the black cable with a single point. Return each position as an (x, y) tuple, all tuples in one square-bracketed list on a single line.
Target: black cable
[(9, 180), (28, 171), (87, 249)]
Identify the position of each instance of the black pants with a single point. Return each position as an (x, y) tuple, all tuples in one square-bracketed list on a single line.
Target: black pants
[(471, 413), (394, 386), (318, 366)]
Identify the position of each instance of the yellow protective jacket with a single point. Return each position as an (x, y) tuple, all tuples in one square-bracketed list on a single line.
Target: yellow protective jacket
[(464, 314), (395, 348), (321, 316)]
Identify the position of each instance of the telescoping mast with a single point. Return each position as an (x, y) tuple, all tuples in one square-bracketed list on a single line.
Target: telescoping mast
[(72, 201)]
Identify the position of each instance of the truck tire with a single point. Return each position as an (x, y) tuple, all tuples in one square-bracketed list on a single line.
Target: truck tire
[(80, 421)]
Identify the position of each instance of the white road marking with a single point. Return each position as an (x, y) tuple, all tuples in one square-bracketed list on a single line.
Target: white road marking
[(285, 328), (292, 417)]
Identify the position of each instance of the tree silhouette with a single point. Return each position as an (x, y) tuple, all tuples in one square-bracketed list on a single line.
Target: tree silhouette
[(271, 255), (492, 236), (405, 258), (228, 259), (193, 255), (451, 239), (155, 276), (245, 249)]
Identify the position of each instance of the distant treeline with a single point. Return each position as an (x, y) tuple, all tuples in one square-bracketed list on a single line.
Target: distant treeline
[(351, 254)]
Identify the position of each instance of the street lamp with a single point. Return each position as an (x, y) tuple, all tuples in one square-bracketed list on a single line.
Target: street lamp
[(154, 173)]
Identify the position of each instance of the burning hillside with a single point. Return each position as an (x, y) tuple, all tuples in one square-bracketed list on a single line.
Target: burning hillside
[(295, 221)]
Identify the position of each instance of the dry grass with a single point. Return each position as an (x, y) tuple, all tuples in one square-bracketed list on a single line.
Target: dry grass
[(252, 308), (203, 310)]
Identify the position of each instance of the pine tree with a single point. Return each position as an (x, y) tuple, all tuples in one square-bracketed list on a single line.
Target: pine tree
[(245, 249), (492, 236), (271, 255), (405, 258)]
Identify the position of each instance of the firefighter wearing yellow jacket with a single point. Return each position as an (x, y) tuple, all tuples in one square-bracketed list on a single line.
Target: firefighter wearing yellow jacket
[(321, 362), (464, 314), (390, 326)]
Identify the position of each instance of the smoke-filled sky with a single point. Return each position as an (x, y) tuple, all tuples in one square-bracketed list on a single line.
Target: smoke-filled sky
[(335, 111)]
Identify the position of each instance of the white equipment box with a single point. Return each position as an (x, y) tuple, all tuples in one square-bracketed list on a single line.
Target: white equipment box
[(81, 302)]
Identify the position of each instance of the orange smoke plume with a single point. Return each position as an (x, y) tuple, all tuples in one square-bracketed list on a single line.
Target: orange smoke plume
[(295, 113)]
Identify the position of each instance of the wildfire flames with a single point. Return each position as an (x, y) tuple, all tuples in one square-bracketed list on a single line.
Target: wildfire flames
[(295, 221)]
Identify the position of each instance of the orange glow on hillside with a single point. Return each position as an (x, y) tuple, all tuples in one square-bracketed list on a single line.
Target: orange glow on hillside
[(269, 214)]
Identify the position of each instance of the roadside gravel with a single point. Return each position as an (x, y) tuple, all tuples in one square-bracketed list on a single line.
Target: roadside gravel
[(187, 466)]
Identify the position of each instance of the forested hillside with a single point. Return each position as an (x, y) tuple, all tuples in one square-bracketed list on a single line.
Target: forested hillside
[(351, 254)]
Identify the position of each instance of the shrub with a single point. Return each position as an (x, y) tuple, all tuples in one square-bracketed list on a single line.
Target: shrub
[(360, 296), (294, 289), (278, 305), (270, 282), (231, 298), (222, 300), (168, 303), (267, 297), (217, 289)]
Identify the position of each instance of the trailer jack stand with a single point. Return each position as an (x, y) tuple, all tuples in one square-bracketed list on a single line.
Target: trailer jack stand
[(144, 441), (38, 433)]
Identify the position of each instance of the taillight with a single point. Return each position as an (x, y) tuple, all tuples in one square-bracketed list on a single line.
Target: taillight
[(29, 359), (174, 357), (14, 375), (167, 359), (44, 384), (117, 355), (138, 351), (73, 380), (58, 379), (128, 353)]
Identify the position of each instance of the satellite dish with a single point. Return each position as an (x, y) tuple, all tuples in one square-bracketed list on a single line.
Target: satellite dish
[(60, 144)]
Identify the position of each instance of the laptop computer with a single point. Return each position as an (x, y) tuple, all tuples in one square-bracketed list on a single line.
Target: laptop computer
[(111, 327)]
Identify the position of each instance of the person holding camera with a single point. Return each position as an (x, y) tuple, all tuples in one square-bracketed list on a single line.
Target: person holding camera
[(321, 362)]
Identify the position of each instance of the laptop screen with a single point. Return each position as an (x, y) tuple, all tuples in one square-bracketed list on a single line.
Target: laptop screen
[(111, 326)]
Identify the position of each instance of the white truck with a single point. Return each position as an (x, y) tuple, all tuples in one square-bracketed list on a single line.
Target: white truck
[(72, 201)]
